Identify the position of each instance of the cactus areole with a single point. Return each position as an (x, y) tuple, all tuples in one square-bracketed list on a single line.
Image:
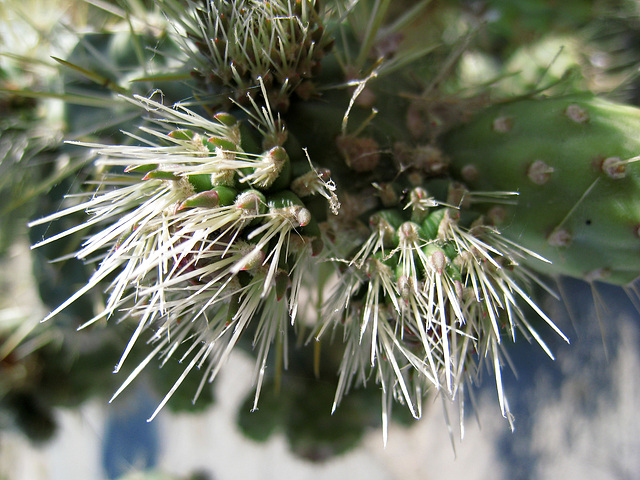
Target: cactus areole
[(573, 161)]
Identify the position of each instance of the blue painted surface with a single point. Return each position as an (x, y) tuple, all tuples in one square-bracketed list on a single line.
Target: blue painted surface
[(585, 369), (130, 442)]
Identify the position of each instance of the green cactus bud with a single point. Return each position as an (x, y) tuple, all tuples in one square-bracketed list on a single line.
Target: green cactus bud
[(437, 256), (407, 232), (182, 134), (312, 229), (213, 143), (217, 196), (450, 250), (272, 170), (283, 166), (420, 202), (284, 199), (431, 224), (226, 119), (161, 175), (386, 224), (393, 218), (233, 43), (252, 257), (200, 182), (146, 168), (287, 200), (573, 161), (251, 201)]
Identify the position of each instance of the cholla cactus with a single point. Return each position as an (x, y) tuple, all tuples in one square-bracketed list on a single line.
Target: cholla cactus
[(232, 44), (197, 241), (309, 166)]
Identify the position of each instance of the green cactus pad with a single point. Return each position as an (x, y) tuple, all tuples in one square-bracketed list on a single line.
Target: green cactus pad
[(573, 162)]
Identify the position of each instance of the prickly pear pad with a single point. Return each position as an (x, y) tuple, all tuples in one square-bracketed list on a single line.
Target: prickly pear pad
[(573, 160)]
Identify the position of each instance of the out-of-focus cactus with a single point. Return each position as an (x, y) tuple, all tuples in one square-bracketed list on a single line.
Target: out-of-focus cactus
[(293, 185)]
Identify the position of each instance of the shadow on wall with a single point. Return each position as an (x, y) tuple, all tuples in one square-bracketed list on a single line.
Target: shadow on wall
[(130, 442), (577, 417)]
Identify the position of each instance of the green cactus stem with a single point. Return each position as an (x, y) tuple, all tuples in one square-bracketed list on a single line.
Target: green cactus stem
[(574, 162)]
